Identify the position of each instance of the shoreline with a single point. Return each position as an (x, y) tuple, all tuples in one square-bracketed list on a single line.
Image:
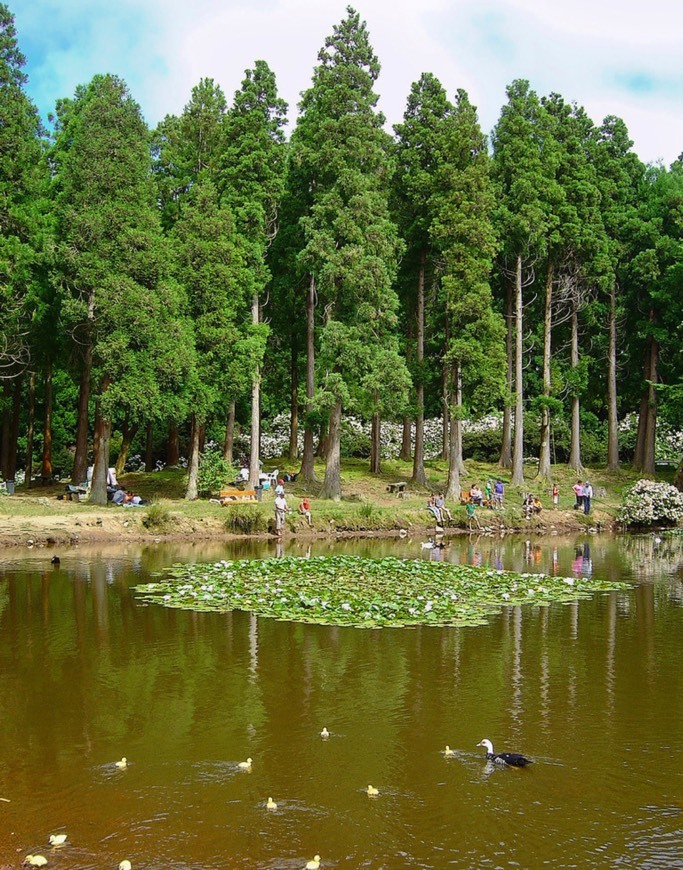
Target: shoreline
[(88, 525)]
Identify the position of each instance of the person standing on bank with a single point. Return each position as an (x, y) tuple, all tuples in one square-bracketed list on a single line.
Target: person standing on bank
[(587, 496), (281, 508)]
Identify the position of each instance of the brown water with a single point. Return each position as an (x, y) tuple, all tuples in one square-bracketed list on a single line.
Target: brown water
[(592, 691)]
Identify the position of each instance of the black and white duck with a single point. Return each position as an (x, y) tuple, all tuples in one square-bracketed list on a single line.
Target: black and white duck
[(512, 759)]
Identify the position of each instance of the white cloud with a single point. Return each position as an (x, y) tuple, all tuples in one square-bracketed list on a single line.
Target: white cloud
[(612, 58)]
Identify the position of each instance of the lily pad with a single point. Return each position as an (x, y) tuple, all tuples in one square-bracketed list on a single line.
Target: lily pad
[(361, 592)]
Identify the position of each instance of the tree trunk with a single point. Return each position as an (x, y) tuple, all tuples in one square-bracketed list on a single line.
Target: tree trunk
[(293, 452), (128, 434), (172, 447), (149, 448), (456, 424), (453, 490), (517, 478), (419, 477), (332, 482), (575, 445), (30, 429), (651, 420), (202, 438), (79, 472), (229, 442), (445, 416), (307, 471), (544, 452), (46, 470), (5, 434), (191, 492), (102, 438), (612, 419), (255, 427), (505, 460), (376, 445), (14, 430), (406, 439)]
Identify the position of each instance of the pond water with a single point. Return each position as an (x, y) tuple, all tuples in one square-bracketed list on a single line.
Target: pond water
[(592, 691)]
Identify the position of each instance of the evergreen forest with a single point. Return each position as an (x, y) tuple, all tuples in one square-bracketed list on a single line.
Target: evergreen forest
[(162, 290)]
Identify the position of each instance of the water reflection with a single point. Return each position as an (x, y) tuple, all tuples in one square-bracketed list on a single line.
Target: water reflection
[(592, 690)]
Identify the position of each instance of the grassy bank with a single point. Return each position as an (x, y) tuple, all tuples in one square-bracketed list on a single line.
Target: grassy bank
[(366, 506)]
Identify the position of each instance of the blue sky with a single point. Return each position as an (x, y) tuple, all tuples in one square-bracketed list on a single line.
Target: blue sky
[(614, 58)]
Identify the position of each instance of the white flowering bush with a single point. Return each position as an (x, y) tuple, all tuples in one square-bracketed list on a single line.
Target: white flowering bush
[(648, 503)]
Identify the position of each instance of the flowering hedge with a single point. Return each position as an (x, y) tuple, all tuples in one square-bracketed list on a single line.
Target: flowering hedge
[(648, 503)]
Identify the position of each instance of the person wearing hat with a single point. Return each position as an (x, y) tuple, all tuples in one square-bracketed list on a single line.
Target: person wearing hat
[(280, 488)]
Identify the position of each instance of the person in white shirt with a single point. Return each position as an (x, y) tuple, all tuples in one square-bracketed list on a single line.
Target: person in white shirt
[(281, 508)]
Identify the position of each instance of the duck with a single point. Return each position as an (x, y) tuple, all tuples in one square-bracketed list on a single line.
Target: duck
[(57, 839), (245, 765), (55, 560), (428, 545), (324, 733), (123, 764), (270, 804), (372, 791), (448, 752), (35, 860), (314, 863), (125, 865), (512, 759)]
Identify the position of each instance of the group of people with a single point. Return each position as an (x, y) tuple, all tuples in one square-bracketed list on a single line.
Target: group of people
[(126, 498), (584, 493), (282, 508), (492, 496)]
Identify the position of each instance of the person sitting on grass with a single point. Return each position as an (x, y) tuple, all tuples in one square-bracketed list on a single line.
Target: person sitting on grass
[(440, 503), (476, 495), (434, 510), (305, 509)]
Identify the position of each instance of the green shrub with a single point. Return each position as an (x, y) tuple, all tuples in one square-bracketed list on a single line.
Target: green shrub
[(214, 472), (157, 518), (245, 520)]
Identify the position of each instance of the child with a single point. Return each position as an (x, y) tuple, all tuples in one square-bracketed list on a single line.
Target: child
[(556, 495)]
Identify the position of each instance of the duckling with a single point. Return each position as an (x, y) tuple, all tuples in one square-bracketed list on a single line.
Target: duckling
[(314, 863), (270, 804), (372, 791), (123, 764), (245, 765), (125, 865), (448, 752), (324, 733), (35, 860), (57, 839)]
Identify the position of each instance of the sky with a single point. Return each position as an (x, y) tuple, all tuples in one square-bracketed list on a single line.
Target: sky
[(613, 57)]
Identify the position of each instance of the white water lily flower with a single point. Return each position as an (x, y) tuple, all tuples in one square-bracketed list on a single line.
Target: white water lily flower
[(569, 581), (506, 596), (531, 591), (346, 606), (167, 597)]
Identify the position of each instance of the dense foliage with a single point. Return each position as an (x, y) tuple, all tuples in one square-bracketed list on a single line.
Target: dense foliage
[(162, 289)]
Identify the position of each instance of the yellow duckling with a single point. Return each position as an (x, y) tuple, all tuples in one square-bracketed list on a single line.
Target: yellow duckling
[(123, 764), (57, 839), (35, 860), (372, 791), (245, 765), (448, 752), (313, 864), (270, 804), (324, 733), (125, 865)]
